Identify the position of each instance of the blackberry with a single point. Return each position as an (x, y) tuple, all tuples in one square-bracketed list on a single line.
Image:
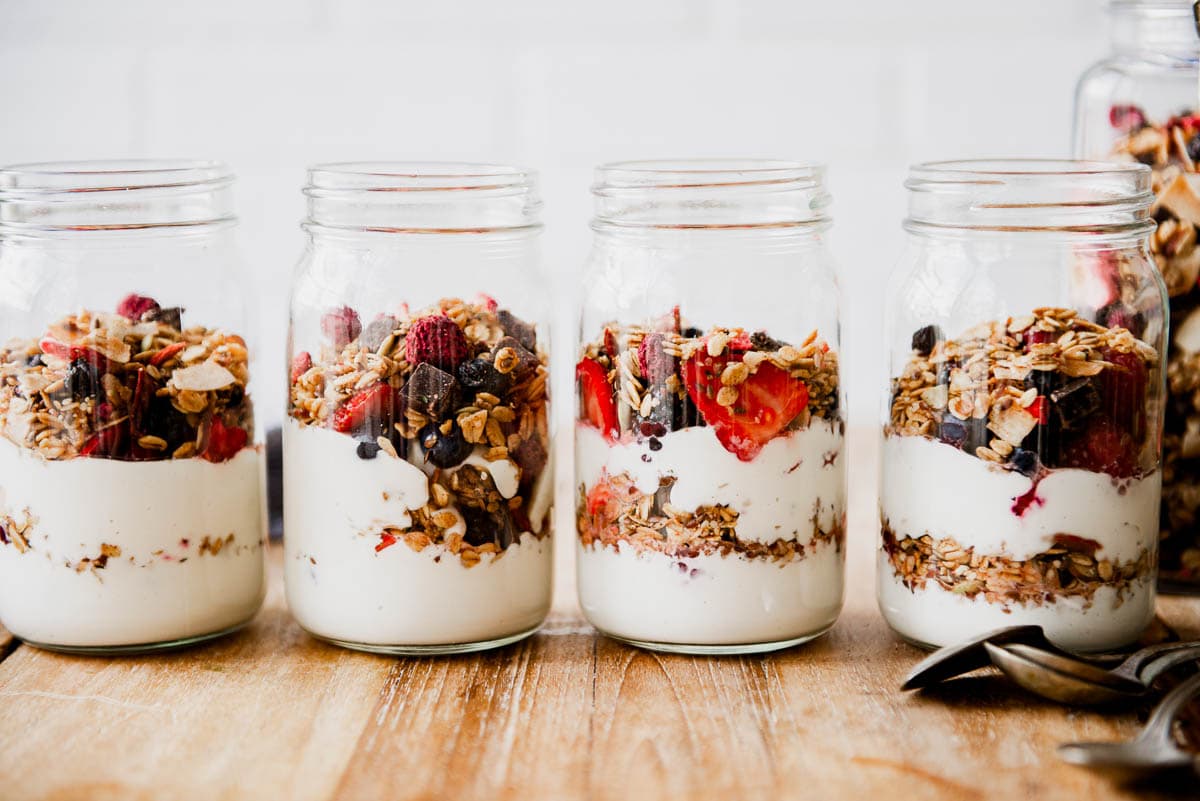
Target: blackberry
[(1024, 462), (443, 450), (925, 337), (1193, 148), (478, 375), (163, 420), (82, 379)]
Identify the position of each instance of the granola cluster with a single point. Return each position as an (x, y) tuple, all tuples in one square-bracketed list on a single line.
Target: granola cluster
[(1068, 569), (615, 511), (1172, 150), (132, 385), (437, 387), (1049, 389)]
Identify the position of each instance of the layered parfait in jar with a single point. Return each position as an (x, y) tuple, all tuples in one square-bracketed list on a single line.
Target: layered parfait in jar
[(417, 491), (1172, 149), (131, 497), (710, 479), (1021, 483)]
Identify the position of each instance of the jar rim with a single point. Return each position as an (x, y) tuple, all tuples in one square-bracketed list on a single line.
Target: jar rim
[(695, 173), (416, 176), (37, 179)]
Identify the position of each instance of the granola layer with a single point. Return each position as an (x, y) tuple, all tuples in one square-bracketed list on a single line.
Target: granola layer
[(133, 385), (459, 389), (1171, 149), (1068, 569), (614, 511)]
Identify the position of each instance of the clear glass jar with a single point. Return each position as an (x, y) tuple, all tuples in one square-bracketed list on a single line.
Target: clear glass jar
[(709, 443), (1023, 412), (131, 472), (417, 490), (1140, 104)]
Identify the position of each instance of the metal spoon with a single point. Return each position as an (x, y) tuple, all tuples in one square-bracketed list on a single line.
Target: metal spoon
[(955, 660), (1152, 751), (1070, 680)]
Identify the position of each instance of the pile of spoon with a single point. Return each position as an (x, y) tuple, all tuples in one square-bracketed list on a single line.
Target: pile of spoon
[(1032, 662)]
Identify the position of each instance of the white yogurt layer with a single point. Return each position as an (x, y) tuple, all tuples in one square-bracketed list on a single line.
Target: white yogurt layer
[(161, 588), (339, 587), (931, 488), (775, 495), (709, 600), (933, 616)]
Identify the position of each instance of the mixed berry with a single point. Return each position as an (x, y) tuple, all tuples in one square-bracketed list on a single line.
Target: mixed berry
[(747, 387), (437, 388), (1044, 391), (132, 385)]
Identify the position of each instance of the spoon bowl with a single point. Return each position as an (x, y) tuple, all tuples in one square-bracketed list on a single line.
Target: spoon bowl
[(1062, 679)]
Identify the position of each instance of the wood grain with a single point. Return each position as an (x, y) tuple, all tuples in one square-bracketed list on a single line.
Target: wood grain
[(271, 713)]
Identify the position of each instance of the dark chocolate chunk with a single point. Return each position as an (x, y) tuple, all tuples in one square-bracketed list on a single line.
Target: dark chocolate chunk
[(760, 341), (170, 316), (531, 456), (431, 391), (1075, 402), (518, 329), (526, 359), (376, 332)]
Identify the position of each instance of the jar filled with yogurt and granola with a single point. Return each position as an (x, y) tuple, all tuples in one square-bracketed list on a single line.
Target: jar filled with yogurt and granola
[(417, 485), (709, 448), (131, 476), (1142, 104), (1021, 457)]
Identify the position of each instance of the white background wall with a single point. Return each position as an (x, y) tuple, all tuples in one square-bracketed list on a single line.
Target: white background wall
[(272, 86)]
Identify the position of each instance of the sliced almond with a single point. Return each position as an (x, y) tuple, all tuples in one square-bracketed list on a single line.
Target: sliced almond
[(1012, 424), (205, 377)]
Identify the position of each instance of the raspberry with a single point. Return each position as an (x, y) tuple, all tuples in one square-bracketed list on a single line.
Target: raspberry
[(224, 441), (301, 363), (341, 326), (135, 307), (436, 340), (1126, 118), (1102, 448), (655, 364)]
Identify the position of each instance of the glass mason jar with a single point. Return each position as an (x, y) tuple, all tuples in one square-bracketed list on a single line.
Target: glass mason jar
[(1141, 104), (1021, 453), (131, 475), (709, 441), (417, 491)]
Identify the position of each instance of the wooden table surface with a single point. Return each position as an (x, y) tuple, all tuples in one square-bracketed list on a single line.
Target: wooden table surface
[(271, 713)]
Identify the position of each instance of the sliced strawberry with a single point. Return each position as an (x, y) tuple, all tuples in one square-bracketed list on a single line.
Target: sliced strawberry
[(1040, 408), (53, 347), (301, 364), (375, 404), (597, 405), (766, 402), (224, 441)]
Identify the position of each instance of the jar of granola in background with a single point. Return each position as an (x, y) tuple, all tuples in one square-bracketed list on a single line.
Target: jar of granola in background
[(710, 464), (1021, 455), (131, 474), (417, 489), (1142, 104)]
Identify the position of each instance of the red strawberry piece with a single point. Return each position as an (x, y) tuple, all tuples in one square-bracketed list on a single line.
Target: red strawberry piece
[(52, 347), (341, 326), (1123, 390), (1126, 118), (436, 340), (1040, 408), (166, 353), (105, 443), (374, 404), (135, 307), (655, 364), (301, 363), (224, 441), (597, 406), (1039, 337), (1101, 448), (386, 540), (599, 497), (767, 401), (610, 344)]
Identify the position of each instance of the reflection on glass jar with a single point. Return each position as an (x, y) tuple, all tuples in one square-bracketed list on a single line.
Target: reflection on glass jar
[(417, 487), (1140, 104), (709, 443), (132, 501), (1021, 452)]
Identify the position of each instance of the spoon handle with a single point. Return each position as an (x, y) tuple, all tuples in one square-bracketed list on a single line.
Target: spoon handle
[(1165, 661), (1161, 720)]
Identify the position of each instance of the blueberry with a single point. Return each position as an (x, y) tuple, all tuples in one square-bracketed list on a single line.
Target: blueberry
[(477, 375), (691, 332), (966, 434), (444, 450), (34, 361), (925, 337), (1024, 462), (367, 449), (82, 379), (1193, 148)]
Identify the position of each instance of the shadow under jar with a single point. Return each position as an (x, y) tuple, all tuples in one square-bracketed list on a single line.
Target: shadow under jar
[(709, 442), (1140, 105), (131, 508), (1021, 454), (417, 489)]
